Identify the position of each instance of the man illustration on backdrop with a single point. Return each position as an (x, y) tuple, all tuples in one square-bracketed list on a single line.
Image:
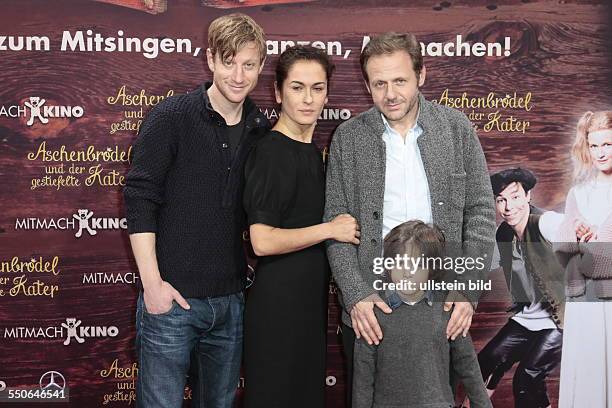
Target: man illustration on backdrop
[(403, 159), (184, 209), (533, 335)]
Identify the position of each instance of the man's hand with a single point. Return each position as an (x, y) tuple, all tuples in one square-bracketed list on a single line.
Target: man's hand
[(461, 318), (364, 320), (158, 299)]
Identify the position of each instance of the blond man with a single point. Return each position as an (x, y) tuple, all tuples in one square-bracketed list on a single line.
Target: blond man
[(183, 200)]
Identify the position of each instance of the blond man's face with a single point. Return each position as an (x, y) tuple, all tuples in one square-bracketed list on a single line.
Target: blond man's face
[(237, 76)]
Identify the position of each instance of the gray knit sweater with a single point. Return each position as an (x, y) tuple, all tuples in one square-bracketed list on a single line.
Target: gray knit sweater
[(585, 260), (411, 366)]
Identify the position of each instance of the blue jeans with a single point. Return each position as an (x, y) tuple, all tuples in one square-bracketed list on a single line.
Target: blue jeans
[(212, 328)]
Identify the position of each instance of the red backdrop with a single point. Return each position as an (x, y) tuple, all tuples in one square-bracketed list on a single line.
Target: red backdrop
[(554, 65)]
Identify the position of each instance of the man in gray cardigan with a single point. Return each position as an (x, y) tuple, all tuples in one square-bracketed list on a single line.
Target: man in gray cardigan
[(404, 159)]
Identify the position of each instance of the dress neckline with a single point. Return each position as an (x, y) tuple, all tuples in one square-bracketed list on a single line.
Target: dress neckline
[(283, 136)]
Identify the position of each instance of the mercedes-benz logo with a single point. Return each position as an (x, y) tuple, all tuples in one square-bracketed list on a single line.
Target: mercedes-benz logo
[(52, 379), (2, 386)]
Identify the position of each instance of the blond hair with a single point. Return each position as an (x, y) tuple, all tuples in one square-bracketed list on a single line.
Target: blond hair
[(581, 157), (228, 34)]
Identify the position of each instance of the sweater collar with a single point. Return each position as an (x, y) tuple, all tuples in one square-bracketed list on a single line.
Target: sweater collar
[(373, 117), (250, 112), (394, 300)]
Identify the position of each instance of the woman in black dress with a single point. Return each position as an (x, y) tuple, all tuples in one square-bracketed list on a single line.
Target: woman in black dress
[(286, 308)]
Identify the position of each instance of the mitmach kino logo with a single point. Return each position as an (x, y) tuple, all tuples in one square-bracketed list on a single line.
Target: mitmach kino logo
[(72, 331), (82, 221), (36, 109)]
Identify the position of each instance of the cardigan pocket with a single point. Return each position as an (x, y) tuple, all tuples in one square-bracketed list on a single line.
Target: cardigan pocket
[(595, 260)]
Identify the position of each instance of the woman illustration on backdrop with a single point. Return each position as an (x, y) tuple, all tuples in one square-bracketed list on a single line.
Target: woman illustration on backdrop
[(286, 309), (585, 249)]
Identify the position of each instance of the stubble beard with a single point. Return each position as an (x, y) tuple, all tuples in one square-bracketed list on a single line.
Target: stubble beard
[(401, 115)]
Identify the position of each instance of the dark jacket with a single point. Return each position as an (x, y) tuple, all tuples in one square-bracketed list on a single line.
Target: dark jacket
[(540, 262), (185, 186)]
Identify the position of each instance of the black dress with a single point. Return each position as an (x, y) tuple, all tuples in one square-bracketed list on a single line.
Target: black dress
[(286, 308)]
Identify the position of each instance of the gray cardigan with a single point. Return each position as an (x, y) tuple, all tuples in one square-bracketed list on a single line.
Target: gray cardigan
[(411, 367), (461, 194)]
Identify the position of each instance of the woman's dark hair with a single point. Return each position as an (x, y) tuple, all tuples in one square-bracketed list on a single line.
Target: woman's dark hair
[(301, 53)]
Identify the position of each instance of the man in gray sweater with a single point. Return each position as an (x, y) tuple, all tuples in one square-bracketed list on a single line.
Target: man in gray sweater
[(404, 159), (411, 367)]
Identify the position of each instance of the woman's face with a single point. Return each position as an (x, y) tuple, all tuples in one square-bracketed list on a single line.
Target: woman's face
[(304, 92), (600, 148)]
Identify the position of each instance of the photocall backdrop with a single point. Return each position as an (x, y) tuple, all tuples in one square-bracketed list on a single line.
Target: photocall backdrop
[(72, 98)]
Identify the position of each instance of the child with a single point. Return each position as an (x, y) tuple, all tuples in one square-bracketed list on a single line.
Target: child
[(411, 367)]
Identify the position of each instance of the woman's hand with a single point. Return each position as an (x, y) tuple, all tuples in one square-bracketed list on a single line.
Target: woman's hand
[(344, 228), (584, 231)]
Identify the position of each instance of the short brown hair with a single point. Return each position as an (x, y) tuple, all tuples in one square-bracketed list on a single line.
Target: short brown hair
[(228, 34), (415, 239), (388, 43)]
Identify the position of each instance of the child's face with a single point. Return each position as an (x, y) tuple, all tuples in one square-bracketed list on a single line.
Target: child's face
[(418, 277)]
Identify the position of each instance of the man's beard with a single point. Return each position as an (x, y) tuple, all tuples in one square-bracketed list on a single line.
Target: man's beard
[(402, 114)]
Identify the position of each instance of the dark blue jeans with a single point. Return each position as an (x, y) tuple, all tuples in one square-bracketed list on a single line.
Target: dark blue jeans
[(212, 328)]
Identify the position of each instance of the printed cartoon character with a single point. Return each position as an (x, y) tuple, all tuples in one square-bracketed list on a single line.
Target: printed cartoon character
[(83, 216), (35, 105), (71, 327)]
